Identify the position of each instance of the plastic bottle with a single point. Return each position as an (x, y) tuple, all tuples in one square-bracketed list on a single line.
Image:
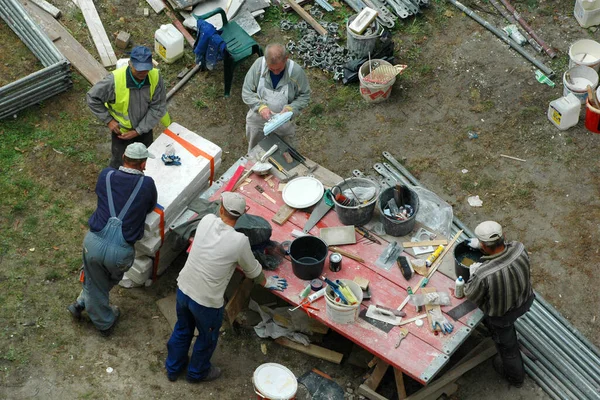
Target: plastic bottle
[(459, 288), (434, 255), (564, 112), (168, 43)]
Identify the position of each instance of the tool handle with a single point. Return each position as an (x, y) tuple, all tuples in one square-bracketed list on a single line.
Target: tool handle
[(268, 154), (242, 179)]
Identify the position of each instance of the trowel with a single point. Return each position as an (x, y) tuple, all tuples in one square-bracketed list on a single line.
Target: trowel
[(383, 315), (276, 121), (261, 167)]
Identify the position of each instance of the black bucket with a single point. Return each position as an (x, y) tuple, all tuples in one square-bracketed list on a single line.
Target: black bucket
[(396, 227), (464, 256), (360, 214), (308, 254)]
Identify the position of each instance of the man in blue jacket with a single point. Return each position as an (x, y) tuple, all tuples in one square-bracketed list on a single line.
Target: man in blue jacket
[(125, 197)]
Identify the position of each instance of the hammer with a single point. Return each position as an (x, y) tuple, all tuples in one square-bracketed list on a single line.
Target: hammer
[(288, 177)]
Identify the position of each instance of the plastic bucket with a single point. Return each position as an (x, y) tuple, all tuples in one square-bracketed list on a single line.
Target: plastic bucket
[(462, 254), (275, 382), (359, 46), (355, 215), (581, 78), (585, 52), (592, 118), (308, 254), (395, 227), (374, 92), (343, 313)]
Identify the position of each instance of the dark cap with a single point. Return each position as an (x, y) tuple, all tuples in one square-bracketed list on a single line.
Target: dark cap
[(141, 58)]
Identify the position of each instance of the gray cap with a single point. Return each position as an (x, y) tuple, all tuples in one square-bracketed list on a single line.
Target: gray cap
[(233, 203), (488, 231), (137, 151)]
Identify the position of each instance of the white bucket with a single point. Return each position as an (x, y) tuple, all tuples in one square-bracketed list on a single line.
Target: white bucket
[(342, 313), (581, 78), (274, 382), (585, 52), (374, 92)]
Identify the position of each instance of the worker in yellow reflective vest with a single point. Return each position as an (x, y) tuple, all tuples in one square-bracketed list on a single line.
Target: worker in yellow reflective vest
[(130, 101)]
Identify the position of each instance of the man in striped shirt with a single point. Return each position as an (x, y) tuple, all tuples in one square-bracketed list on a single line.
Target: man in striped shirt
[(500, 286)]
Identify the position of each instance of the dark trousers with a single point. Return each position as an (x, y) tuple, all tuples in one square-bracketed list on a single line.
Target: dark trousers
[(191, 315), (118, 147), (504, 336)]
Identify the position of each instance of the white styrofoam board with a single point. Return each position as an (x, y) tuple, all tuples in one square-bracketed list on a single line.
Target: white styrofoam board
[(148, 245), (177, 183), (140, 271)]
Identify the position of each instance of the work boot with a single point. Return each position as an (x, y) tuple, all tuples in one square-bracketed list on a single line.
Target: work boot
[(107, 332), (213, 373), (75, 309), (499, 368)]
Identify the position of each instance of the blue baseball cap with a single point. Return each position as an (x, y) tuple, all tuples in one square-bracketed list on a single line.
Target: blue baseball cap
[(141, 58)]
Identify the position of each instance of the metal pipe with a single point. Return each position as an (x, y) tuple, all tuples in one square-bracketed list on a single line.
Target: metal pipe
[(502, 35), (553, 359), (30, 37), (565, 342), (32, 101), (183, 81), (542, 360), (554, 347), (513, 21), (544, 381), (33, 91), (37, 93), (558, 380), (566, 324), (42, 74), (527, 28)]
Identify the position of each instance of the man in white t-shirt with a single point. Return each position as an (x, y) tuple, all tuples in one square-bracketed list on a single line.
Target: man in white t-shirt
[(217, 249)]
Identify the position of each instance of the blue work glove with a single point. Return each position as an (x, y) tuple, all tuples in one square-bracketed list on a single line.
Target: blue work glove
[(473, 243), (276, 283)]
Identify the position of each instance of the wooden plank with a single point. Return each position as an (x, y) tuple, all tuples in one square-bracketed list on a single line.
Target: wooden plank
[(480, 354), (77, 55), (239, 300), (400, 384), (369, 393), (49, 8), (375, 379), (94, 23), (283, 214), (312, 350), (307, 17), (425, 243), (157, 5)]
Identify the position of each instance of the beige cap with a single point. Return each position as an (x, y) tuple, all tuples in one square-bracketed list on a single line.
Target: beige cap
[(137, 151), (233, 203), (488, 231)]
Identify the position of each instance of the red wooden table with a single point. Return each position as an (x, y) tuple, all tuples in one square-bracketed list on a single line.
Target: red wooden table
[(422, 354)]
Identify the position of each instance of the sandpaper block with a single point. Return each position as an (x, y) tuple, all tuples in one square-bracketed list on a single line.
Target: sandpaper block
[(362, 282)]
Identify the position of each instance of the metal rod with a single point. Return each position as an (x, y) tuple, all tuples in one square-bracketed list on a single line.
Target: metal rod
[(543, 380), (528, 29), (553, 359), (566, 343), (183, 81), (502, 35), (557, 380), (553, 369), (513, 21), (566, 324), (552, 346)]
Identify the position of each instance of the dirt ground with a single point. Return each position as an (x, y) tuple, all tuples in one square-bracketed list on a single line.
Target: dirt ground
[(460, 79)]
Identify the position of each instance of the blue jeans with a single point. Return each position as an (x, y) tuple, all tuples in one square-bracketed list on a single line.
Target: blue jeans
[(191, 315)]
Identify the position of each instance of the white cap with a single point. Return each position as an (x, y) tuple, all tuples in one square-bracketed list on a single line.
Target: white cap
[(233, 203), (488, 231), (138, 151)]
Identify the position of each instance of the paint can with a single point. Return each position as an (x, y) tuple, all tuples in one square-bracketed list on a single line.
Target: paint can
[(274, 382), (585, 52), (343, 313), (577, 79), (335, 262)]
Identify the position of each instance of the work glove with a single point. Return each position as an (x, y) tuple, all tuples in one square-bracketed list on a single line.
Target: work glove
[(474, 267), (276, 283), (473, 243)]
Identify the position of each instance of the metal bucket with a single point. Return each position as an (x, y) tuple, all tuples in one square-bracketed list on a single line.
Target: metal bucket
[(355, 215), (359, 46)]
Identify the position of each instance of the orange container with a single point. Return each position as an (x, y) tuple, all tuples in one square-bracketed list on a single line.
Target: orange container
[(592, 118)]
